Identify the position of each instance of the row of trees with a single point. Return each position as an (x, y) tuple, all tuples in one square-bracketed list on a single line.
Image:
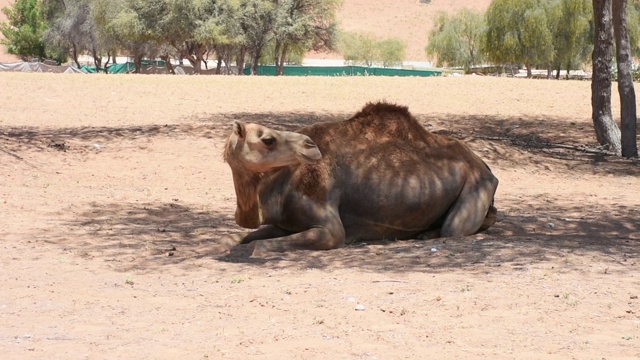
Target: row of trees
[(547, 34), (367, 49), (231, 30)]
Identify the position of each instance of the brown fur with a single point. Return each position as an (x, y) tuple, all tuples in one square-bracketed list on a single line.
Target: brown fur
[(381, 174)]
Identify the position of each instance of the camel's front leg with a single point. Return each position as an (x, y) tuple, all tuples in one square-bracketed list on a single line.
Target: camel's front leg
[(265, 232), (321, 237)]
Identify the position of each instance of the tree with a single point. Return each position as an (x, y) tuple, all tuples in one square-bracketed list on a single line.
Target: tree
[(607, 132), (303, 24), (392, 52), (358, 48), (633, 26), (256, 19), (457, 40), (366, 49), (571, 24), (236, 43), (71, 28), (132, 25), (518, 32), (108, 36), (24, 30), (628, 121)]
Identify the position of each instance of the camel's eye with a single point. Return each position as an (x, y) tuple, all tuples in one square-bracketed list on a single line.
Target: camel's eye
[(268, 141)]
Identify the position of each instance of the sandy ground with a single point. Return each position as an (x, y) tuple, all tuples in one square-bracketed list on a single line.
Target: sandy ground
[(113, 196)]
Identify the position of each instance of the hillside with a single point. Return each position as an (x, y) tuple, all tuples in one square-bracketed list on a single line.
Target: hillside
[(408, 20)]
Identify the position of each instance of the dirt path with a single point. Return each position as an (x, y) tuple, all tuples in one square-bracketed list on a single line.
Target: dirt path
[(113, 196)]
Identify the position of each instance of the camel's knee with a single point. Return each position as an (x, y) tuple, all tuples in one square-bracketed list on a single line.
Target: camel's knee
[(470, 216)]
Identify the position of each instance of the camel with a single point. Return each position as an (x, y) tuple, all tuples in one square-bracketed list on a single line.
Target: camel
[(378, 175)]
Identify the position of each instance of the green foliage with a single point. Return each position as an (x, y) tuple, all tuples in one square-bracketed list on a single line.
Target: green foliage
[(518, 31), (103, 14), (392, 52), (358, 48), (633, 25), (256, 18), (570, 22), (366, 49), (24, 30), (457, 40), (303, 25)]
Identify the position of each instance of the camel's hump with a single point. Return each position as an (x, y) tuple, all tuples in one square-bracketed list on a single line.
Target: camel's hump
[(374, 122), (382, 107)]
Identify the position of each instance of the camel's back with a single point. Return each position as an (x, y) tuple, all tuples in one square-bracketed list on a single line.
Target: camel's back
[(374, 123), (387, 127)]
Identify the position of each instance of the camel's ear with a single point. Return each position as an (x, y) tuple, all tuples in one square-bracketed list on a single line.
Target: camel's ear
[(238, 128)]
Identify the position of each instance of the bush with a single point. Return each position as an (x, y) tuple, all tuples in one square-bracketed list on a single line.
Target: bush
[(366, 49)]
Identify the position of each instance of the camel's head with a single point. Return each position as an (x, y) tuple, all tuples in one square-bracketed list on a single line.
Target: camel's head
[(259, 148)]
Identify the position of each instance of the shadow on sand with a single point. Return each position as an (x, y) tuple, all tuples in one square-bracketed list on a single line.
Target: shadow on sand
[(148, 236), (145, 237), (549, 140)]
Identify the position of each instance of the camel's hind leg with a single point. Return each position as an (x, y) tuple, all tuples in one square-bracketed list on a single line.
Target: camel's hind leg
[(473, 211)]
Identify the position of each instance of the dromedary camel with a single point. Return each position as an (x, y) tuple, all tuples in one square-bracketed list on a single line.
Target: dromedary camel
[(377, 175)]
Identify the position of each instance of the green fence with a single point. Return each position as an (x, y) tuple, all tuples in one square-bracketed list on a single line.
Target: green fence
[(341, 71), (292, 70), (121, 68)]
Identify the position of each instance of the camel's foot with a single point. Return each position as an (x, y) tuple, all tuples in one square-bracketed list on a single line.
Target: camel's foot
[(232, 240), (428, 235)]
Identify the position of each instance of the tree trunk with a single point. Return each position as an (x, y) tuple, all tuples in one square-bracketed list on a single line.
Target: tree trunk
[(255, 58), (277, 57), (628, 121), (195, 54), (167, 64), (283, 57), (200, 49), (137, 62), (607, 132), (220, 57), (106, 64), (97, 60), (205, 59), (74, 53), (242, 53), (227, 53)]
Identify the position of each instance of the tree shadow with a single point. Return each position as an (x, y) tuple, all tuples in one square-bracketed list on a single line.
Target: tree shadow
[(552, 141), (517, 240), (545, 142), (148, 236)]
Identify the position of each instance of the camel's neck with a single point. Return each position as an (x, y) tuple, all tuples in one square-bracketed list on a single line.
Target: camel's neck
[(248, 211)]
